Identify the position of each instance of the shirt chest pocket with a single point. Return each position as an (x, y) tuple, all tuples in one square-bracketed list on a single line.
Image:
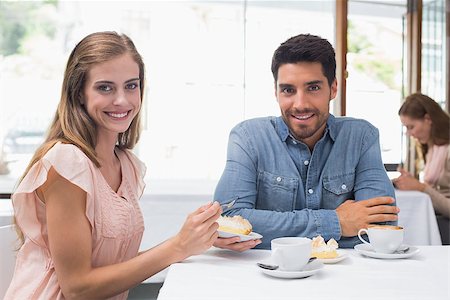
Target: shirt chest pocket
[(337, 189), (276, 192)]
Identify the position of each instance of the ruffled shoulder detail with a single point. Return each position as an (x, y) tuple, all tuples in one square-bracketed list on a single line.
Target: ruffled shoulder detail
[(137, 170), (69, 162)]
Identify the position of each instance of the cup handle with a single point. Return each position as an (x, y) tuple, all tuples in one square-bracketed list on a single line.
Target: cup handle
[(360, 237)]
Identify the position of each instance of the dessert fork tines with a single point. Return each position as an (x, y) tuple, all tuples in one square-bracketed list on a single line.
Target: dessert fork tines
[(228, 205)]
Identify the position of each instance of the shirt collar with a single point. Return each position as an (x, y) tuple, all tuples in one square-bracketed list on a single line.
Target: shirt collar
[(283, 130)]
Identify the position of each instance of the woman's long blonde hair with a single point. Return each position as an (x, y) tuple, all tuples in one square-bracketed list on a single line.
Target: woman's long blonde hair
[(71, 123)]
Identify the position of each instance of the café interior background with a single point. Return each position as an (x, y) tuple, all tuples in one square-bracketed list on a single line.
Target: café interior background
[(208, 68)]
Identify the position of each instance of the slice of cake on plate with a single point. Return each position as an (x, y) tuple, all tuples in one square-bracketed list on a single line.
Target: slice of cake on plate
[(320, 249), (235, 224)]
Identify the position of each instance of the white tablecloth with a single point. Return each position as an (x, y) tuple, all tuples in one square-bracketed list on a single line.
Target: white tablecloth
[(418, 218), (222, 274)]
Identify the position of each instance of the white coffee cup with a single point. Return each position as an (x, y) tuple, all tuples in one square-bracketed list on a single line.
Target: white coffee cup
[(383, 238), (291, 253)]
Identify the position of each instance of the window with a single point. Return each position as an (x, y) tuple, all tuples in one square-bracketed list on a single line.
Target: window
[(434, 50), (374, 62), (208, 68)]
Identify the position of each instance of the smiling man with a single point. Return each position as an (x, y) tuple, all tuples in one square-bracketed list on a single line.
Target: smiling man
[(306, 173)]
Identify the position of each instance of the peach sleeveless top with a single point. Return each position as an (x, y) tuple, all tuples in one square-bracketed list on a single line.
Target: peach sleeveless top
[(115, 218)]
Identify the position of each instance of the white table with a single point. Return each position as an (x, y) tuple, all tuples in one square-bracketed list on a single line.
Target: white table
[(222, 274), (418, 218)]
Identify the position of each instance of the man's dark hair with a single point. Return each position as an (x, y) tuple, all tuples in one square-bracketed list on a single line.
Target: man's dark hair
[(306, 48)]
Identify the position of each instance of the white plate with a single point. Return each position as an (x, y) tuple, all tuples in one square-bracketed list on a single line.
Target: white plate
[(250, 236), (367, 250), (341, 256), (309, 270)]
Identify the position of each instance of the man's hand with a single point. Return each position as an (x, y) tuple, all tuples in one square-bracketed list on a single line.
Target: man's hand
[(235, 244), (354, 215)]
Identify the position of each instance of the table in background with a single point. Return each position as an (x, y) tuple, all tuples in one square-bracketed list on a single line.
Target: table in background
[(418, 218), (222, 274), (6, 212)]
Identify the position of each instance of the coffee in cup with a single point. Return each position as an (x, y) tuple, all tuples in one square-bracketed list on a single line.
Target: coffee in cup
[(383, 238), (291, 253)]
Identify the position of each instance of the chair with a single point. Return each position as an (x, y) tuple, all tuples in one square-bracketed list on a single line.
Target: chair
[(444, 229), (8, 242)]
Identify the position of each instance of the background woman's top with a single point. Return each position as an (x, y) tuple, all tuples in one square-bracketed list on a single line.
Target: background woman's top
[(115, 218), (440, 191)]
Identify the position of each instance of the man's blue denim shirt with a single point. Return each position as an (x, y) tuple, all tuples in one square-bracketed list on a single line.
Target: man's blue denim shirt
[(285, 190)]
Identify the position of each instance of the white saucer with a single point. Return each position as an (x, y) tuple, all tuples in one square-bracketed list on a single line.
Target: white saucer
[(309, 270), (250, 236), (341, 256), (367, 250)]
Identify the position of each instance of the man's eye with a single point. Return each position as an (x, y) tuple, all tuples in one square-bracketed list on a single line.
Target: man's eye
[(314, 88), (104, 88), (287, 90)]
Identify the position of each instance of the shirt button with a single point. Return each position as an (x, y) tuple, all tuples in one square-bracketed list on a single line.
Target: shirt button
[(344, 187), (278, 179), (306, 162), (294, 142), (310, 191)]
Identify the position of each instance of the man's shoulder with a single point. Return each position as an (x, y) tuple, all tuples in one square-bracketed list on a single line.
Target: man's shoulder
[(349, 121), (353, 124)]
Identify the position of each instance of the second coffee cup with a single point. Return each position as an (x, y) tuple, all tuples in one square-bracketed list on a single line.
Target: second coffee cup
[(291, 253), (383, 238)]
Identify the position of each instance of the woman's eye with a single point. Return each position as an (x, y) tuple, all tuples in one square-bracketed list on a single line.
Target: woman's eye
[(132, 86), (104, 88)]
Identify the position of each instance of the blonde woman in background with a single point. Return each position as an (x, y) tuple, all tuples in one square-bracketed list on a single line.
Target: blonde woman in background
[(429, 124), (76, 205)]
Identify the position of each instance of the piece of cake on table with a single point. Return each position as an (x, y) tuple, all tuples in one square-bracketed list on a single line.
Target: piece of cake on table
[(320, 249)]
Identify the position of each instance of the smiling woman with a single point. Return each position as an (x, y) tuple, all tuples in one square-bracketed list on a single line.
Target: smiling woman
[(81, 188)]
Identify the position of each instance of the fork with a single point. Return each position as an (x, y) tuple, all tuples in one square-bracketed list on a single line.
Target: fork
[(228, 205)]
